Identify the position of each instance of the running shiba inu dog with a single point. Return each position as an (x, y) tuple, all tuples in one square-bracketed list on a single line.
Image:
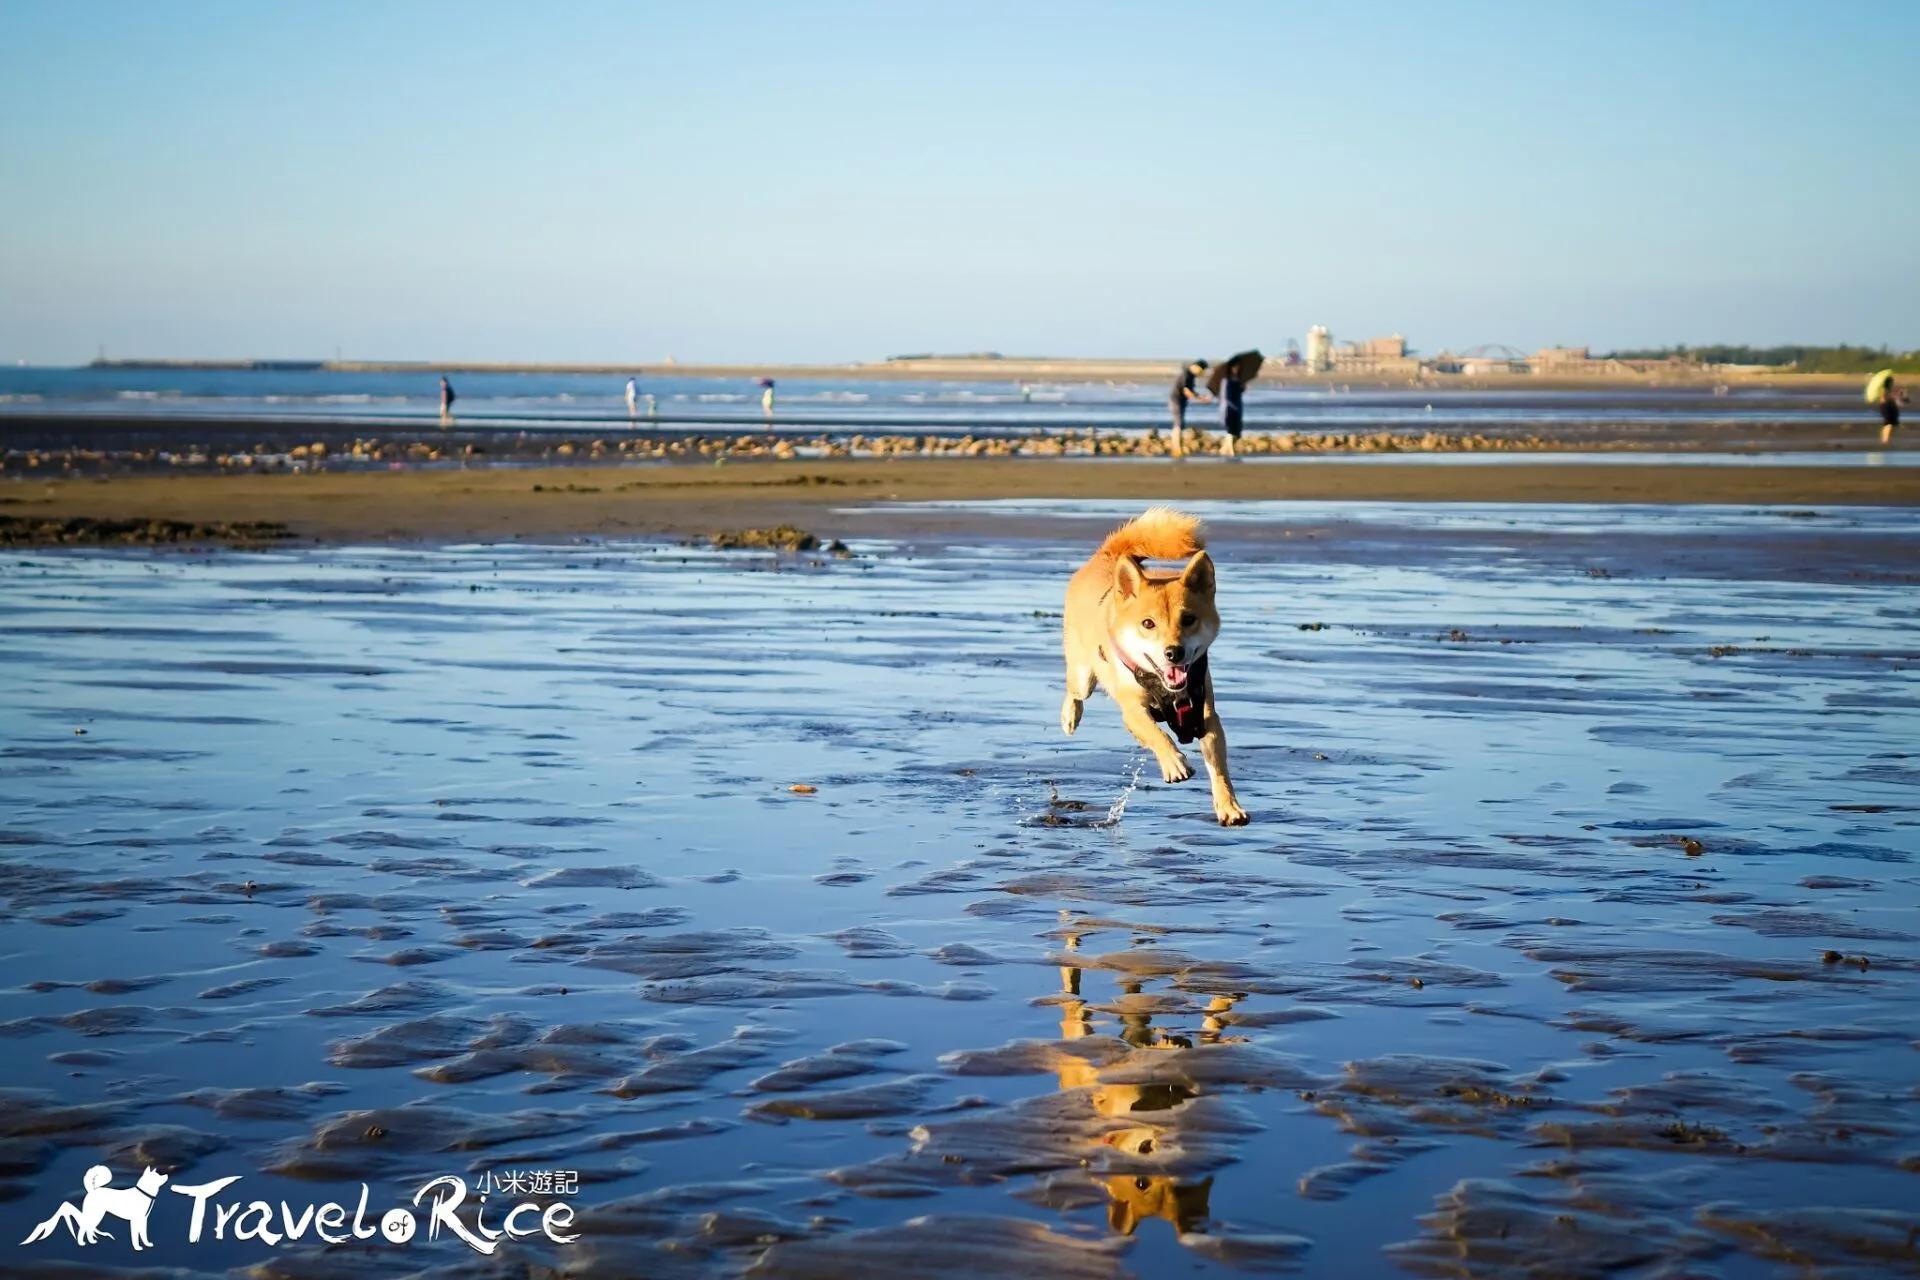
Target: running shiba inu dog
[(1144, 635)]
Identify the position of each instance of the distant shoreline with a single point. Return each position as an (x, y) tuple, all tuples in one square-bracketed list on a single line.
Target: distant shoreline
[(41, 445), (1015, 369)]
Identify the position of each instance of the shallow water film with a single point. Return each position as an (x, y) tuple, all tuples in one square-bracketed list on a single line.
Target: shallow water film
[(754, 908)]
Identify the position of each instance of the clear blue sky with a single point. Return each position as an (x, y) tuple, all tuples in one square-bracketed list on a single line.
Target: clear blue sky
[(846, 181)]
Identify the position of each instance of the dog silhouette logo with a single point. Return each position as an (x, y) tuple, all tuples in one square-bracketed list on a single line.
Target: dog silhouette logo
[(103, 1200)]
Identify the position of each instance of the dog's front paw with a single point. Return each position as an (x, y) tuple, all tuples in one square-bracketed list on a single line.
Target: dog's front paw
[(1228, 810), (1174, 768), (1070, 714)]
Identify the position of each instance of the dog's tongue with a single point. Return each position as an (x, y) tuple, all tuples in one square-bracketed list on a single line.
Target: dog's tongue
[(1176, 676)]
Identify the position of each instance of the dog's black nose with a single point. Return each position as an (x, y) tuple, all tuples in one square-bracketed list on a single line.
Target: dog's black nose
[(1176, 652)]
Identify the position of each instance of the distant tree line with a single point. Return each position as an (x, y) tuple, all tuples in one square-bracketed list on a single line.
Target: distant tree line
[(1802, 359)]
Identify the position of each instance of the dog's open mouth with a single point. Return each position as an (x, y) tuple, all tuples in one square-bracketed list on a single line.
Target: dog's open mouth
[(1175, 675)]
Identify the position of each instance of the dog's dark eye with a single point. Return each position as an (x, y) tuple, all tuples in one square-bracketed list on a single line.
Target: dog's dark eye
[(1146, 624), (1187, 619)]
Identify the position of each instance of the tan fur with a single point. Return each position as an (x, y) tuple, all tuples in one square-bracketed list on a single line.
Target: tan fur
[(1158, 533), (1115, 603)]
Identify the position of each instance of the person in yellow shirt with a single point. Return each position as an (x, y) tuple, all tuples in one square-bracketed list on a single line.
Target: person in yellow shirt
[(1891, 397)]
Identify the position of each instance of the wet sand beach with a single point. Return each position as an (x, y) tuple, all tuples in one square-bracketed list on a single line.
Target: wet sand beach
[(487, 503), (673, 812), (760, 894)]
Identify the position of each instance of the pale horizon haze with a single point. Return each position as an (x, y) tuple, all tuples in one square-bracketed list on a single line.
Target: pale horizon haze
[(836, 182)]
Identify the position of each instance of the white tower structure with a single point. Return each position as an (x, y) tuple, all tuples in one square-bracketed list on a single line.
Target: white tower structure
[(1319, 349)]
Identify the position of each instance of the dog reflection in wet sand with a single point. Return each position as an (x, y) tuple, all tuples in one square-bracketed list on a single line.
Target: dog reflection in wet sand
[(1153, 1111)]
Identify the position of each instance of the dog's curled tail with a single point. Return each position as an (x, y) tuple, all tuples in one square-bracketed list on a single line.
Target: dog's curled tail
[(97, 1177), (1158, 533)]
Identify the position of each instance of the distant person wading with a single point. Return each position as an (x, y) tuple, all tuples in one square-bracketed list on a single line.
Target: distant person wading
[(446, 401), (1177, 403), (1228, 382), (1231, 411), (1886, 394)]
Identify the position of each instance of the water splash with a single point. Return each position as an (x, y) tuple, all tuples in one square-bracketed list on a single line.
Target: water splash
[(1119, 806), (1062, 812)]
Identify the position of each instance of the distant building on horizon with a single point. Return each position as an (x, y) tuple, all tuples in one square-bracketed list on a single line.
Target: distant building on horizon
[(1389, 358), (1393, 348), (1373, 356), (1376, 357), (1319, 349)]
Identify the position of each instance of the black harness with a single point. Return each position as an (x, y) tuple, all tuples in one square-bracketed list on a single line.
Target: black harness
[(1182, 710)]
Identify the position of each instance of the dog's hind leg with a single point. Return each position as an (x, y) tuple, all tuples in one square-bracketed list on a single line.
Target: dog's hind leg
[(1080, 686), (1213, 749)]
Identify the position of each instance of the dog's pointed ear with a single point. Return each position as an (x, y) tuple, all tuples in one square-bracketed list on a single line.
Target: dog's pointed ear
[(1121, 1217), (1198, 575), (1127, 576)]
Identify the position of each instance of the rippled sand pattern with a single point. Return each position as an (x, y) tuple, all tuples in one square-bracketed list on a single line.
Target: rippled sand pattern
[(1575, 933)]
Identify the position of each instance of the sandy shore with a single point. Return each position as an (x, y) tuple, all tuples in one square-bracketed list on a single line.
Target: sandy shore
[(685, 500)]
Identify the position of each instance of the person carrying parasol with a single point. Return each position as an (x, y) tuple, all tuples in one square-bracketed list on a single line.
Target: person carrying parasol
[(1227, 383), (1885, 393)]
